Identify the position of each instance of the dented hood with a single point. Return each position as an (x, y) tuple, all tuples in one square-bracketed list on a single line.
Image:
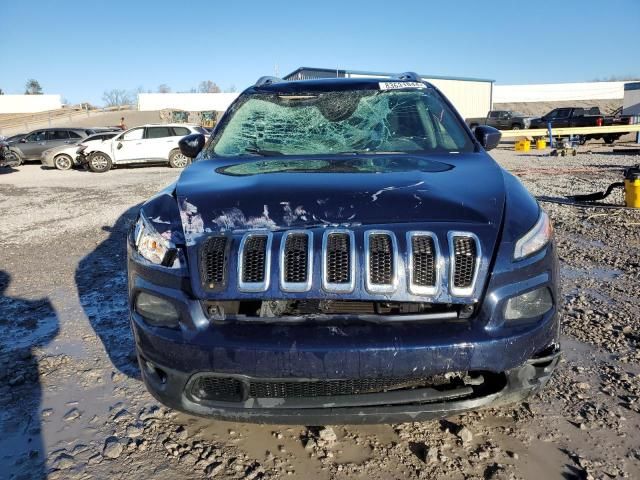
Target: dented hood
[(278, 193)]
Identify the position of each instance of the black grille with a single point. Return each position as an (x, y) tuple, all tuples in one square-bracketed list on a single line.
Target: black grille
[(231, 389), (213, 262), (465, 261), (296, 254), (424, 261), (338, 258), (380, 259), (253, 259), (222, 389)]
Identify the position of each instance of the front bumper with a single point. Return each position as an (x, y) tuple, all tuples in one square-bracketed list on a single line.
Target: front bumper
[(173, 390), (518, 358), (47, 160)]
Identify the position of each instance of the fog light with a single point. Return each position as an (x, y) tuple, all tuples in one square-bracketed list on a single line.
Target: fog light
[(157, 311), (529, 305)]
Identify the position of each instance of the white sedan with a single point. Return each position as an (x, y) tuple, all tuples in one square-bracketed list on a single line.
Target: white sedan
[(63, 157), (144, 144)]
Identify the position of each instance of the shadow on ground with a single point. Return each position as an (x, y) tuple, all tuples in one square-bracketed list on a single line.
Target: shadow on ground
[(25, 326), (101, 280)]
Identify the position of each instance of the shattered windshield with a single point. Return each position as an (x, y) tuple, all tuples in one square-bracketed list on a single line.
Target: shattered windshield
[(341, 122)]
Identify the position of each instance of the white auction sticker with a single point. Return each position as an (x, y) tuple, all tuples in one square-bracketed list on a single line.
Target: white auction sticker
[(400, 85)]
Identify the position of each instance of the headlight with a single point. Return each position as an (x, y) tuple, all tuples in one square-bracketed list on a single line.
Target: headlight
[(535, 239), (529, 305), (153, 246)]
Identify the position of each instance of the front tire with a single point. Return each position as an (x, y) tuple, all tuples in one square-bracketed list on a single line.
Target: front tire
[(63, 162), (178, 160), (608, 139), (516, 126), (99, 162)]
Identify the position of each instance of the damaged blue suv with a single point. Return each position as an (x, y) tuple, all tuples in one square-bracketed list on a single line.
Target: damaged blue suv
[(343, 251)]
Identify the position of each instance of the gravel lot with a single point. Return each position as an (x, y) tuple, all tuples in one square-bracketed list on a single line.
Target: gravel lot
[(73, 405)]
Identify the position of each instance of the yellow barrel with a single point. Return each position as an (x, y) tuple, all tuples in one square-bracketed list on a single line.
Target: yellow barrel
[(632, 187), (541, 144), (523, 145)]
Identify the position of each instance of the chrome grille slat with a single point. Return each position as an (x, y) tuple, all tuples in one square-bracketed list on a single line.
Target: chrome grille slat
[(296, 261), (254, 262), (213, 262), (464, 250), (338, 261), (381, 257), (424, 263)]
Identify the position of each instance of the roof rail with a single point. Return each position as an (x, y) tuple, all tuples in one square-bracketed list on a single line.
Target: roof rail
[(413, 76), (262, 81)]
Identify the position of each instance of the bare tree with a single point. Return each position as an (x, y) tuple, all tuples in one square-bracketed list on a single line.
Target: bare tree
[(164, 88), (207, 86), (231, 89), (116, 97), (32, 87), (1, 92)]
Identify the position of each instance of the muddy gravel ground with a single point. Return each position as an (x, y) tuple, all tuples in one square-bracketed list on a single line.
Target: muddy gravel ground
[(73, 406)]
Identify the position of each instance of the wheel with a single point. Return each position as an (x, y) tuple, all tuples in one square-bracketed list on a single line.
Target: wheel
[(516, 126), (99, 162), (582, 139), (18, 159), (178, 160), (608, 139), (63, 162)]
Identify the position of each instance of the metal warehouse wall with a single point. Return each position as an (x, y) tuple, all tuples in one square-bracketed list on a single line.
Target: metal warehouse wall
[(190, 102), (557, 92), (631, 101), (472, 98), (29, 103)]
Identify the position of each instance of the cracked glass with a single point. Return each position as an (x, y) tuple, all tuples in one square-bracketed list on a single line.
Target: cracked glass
[(341, 122)]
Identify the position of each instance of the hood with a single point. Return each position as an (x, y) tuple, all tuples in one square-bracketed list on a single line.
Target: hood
[(275, 193)]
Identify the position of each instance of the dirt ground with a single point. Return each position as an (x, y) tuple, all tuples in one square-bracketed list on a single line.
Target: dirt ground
[(73, 406)]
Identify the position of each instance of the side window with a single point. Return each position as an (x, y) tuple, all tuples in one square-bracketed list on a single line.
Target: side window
[(135, 134), (158, 132), (58, 135), (181, 131), (38, 136), (563, 112), (495, 114), (74, 135)]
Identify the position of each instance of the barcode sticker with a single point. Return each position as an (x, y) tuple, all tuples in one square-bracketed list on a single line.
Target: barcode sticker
[(400, 85)]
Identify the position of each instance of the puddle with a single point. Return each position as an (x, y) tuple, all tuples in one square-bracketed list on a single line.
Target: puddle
[(592, 273)]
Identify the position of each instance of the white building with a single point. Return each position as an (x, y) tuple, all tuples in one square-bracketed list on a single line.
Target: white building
[(472, 97)]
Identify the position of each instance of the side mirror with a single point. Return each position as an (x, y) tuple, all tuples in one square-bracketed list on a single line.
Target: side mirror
[(488, 137), (192, 145)]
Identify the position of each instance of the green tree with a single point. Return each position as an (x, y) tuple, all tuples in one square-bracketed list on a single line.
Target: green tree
[(33, 87)]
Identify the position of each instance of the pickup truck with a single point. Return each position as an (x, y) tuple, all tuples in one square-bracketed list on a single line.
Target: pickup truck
[(578, 117), (501, 119)]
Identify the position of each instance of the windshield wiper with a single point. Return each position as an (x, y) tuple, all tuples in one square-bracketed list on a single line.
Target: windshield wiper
[(262, 153)]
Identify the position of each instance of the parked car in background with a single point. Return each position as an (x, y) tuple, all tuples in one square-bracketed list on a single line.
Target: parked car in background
[(501, 119), (579, 117), (31, 146), (65, 156), (144, 144), (344, 250)]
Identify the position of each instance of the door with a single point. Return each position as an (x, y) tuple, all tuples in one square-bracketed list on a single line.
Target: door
[(562, 118), (504, 123), (33, 144), (159, 141), (129, 146), (55, 138), (494, 118)]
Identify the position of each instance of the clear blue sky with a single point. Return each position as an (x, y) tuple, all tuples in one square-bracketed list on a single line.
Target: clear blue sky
[(82, 48)]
